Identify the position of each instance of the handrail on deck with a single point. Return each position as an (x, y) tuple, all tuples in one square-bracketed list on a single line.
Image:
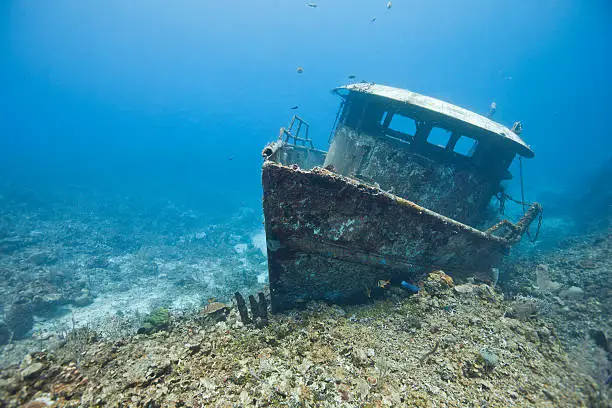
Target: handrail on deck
[(296, 132)]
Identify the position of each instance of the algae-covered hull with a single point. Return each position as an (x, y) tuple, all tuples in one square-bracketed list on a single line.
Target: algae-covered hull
[(331, 237), (396, 194)]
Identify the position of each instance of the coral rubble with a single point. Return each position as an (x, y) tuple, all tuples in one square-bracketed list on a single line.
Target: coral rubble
[(440, 347)]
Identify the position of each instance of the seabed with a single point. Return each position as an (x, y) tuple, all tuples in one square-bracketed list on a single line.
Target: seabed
[(449, 345)]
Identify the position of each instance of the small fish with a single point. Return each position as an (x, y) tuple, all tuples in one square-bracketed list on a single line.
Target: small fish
[(299, 70), (230, 158), (312, 5), (389, 5), (351, 77), (383, 283), (492, 109), (294, 107), (373, 19), (211, 300)]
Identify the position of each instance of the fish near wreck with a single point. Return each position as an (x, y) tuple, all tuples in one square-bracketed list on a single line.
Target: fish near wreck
[(402, 190)]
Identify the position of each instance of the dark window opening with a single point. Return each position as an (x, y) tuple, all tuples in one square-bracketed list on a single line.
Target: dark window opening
[(465, 146), (439, 137)]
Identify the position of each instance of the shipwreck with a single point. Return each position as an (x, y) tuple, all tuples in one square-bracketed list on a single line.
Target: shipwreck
[(403, 189)]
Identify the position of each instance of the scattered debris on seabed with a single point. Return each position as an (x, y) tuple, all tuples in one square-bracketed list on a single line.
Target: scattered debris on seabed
[(448, 345)]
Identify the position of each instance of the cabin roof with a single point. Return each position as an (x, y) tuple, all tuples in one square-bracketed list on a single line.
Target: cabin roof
[(445, 109)]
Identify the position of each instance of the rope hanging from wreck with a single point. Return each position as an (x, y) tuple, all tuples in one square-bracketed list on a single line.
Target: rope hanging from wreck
[(502, 196), (535, 237), (331, 135), (522, 185)]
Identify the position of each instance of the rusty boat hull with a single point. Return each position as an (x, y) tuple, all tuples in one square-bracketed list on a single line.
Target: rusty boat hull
[(332, 237)]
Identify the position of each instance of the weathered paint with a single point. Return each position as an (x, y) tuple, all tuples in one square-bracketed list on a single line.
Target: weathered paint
[(457, 192), (382, 237)]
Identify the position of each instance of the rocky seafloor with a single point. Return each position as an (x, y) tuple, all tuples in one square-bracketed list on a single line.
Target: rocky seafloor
[(540, 338), (447, 346), (104, 262)]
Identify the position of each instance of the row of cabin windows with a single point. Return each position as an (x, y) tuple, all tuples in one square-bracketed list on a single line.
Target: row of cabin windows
[(440, 137), (364, 116)]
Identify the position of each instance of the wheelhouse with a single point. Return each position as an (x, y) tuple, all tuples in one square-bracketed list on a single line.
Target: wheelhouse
[(439, 155)]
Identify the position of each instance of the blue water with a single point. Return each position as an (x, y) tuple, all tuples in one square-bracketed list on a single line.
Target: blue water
[(177, 100), (131, 134)]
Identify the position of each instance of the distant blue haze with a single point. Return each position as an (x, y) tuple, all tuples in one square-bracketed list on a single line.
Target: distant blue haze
[(175, 99)]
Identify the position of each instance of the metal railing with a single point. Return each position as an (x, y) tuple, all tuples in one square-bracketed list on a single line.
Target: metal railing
[(296, 132)]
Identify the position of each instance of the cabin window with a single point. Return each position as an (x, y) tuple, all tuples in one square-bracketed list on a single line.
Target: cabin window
[(403, 124), (465, 146), (384, 118), (439, 137)]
